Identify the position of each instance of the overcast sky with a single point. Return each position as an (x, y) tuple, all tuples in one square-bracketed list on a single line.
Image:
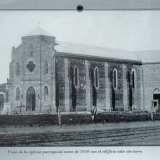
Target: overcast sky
[(129, 30)]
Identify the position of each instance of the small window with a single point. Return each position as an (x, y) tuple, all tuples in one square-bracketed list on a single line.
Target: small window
[(76, 76), (133, 79), (31, 49), (17, 68), (17, 94), (45, 67), (96, 77), (115, 78), (45, 93)]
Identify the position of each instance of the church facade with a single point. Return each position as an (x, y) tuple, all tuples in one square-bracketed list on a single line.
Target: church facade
[(47, 76)]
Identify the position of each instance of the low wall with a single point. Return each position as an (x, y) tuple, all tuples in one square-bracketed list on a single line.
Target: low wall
[(73, 118), (39, 120), (156, 116), (123, 116)]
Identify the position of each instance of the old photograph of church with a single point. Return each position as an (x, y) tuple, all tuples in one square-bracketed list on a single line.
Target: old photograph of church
[(97, 69)]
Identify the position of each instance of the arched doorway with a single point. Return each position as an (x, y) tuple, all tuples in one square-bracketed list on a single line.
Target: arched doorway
[(30, 99)]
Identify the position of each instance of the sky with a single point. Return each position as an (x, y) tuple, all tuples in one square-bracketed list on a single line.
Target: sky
[(128, 30)]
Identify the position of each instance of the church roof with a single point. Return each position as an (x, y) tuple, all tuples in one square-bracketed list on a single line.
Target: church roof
[(152, 56), (74, 49), (38, 31), (99, 52)]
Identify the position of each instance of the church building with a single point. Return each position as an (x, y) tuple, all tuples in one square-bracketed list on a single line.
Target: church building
[(47, 76)]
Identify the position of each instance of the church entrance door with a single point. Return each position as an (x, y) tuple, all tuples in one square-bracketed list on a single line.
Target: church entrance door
[(30, 99)]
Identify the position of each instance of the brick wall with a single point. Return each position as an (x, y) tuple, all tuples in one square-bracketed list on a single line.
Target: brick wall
[(26, 79), (84, 99)]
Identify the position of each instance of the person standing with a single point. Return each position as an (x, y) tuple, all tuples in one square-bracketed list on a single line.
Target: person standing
[(94, 113)]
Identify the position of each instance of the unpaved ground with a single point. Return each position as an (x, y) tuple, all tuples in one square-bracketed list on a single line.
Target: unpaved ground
[(78, 128), (109, 134)]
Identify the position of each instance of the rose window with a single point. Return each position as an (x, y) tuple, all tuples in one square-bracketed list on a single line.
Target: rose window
[(31, 66)]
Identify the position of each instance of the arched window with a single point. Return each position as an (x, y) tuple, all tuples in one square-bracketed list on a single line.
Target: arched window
[(156, 91), (133, 79), (31, 49), (96, 77), (76, 76), (17, 68), (115, 78), (17, 94), (46, 93), (45, 67)]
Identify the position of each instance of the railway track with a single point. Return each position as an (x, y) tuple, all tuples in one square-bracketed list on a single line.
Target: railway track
[(111, 137)]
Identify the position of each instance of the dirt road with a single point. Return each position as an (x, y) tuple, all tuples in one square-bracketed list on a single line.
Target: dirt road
[(122, 134)]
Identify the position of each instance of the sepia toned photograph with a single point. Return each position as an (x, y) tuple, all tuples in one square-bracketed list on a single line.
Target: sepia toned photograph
[(79, 78)]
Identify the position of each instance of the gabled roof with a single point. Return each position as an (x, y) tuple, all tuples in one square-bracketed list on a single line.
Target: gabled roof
[(73, 49), (101, 52), (38, 31)]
